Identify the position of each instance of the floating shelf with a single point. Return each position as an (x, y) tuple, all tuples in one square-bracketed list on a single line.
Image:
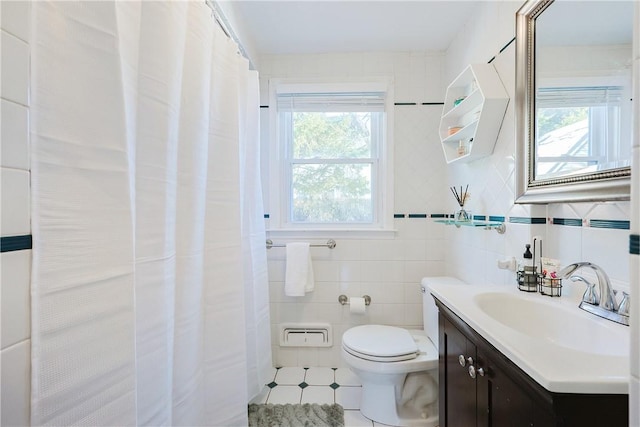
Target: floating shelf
[(500, 227), (476, 101)]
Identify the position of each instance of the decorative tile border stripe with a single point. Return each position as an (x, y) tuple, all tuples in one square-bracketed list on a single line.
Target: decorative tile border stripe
[(507, 45), (527, 220), (575, 222), (404, 103), (266, 216), (433, 103), (610, 223), (16, 243), (439, 215), (479, 217), (398, 216), (421, 215), (496, 218), (634, 244)]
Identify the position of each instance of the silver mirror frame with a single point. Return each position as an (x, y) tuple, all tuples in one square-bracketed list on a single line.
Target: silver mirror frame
[(614, 184)]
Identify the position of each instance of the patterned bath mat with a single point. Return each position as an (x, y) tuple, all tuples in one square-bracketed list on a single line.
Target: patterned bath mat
[(296, 415)]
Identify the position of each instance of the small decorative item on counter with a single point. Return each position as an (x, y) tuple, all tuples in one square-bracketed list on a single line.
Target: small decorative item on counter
[(550, 284), (452, 130)]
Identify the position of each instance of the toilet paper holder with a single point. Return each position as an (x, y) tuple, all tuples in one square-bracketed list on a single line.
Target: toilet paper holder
[(344, 300)]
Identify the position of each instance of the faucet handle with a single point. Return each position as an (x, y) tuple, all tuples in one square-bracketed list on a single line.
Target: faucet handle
[(590, 294), (623, 308)]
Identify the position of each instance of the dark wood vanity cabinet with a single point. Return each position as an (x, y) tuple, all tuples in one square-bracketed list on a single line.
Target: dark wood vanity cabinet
[(490, 390)]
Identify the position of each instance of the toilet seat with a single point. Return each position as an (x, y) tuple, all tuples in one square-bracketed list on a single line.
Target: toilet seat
[(380, 343)]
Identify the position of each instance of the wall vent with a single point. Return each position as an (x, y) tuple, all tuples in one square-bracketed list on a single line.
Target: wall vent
[(306, 335)]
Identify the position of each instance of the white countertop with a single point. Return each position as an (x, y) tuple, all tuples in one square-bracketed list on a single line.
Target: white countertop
[(594, 357)]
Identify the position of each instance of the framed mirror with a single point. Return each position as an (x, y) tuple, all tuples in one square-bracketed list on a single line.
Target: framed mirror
[(573, 101)]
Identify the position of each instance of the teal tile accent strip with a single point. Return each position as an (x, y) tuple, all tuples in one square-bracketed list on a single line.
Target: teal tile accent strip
[(417, 215), (527, 220), (634, 244), (16, 243), (398, 215), (266, 216), (433, 103), (404, 103), (439, 215), (507, 45), (574, 222), (496, 218), (610, 223), (479, 217)]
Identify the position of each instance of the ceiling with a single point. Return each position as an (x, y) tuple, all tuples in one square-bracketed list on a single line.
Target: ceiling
[(308, 26)]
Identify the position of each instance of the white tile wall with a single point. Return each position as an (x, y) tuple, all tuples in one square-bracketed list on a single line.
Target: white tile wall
[(15, 384), (15, 202), (15, 18), (15, 69), (16, 219), (15, 136), (15, 268)]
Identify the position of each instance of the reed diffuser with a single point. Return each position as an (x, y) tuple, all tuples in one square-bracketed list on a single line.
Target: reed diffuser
[(461, 215)]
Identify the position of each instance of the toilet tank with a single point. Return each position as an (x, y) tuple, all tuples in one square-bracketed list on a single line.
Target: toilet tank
[(429, 309)]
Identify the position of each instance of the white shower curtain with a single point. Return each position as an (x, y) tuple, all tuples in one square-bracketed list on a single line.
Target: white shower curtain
[(149, 284)]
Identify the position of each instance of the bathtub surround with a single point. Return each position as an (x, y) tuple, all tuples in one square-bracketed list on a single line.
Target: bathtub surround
[(147, 218)]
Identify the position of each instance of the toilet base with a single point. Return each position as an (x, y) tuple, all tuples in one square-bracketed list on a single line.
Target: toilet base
[(379, 403)]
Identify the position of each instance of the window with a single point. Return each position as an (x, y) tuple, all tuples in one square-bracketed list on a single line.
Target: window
[(331, 157)]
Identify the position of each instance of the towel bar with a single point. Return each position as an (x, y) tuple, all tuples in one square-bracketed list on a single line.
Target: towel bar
[(330, 244)]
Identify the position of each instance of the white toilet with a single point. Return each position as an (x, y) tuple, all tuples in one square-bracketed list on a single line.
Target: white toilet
[(398, 368)]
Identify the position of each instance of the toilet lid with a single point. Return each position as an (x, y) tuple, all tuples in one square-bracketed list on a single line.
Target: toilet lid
[(379, 342)]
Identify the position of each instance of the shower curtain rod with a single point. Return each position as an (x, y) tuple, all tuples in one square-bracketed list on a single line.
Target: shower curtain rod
[(223, 22)]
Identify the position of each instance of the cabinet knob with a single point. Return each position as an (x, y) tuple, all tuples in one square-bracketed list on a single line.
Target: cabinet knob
[(473, 372), (470, 360), (462, 361)]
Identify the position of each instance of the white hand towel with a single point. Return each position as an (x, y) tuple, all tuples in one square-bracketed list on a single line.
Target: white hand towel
[(299, 274)]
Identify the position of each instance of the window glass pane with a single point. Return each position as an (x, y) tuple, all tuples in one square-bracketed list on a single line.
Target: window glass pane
[(332, 135), (326, 193)]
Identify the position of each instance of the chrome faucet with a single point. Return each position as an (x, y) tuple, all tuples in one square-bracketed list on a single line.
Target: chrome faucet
[(603, 304)]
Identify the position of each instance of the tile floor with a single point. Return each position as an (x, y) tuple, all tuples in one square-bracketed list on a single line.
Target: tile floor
[(318, 385)]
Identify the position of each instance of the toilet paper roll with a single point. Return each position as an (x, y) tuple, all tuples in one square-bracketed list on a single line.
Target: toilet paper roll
[(357, 305)]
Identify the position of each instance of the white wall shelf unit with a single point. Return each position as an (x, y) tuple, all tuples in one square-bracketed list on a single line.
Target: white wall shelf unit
[(476, 102)]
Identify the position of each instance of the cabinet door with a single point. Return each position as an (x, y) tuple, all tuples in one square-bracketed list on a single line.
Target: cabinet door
[(501, 402), (458, 408)]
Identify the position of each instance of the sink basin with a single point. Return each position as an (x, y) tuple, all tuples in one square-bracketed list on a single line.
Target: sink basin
[(544, 319)]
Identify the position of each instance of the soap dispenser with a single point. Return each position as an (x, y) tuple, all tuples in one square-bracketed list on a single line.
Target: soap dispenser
[(527, 272)]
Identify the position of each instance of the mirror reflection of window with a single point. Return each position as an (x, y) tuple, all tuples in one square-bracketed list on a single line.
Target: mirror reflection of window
[(583, 94), (580, 129)]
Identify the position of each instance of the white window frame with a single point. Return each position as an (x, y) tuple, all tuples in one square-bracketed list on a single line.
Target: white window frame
[(279, 165)]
